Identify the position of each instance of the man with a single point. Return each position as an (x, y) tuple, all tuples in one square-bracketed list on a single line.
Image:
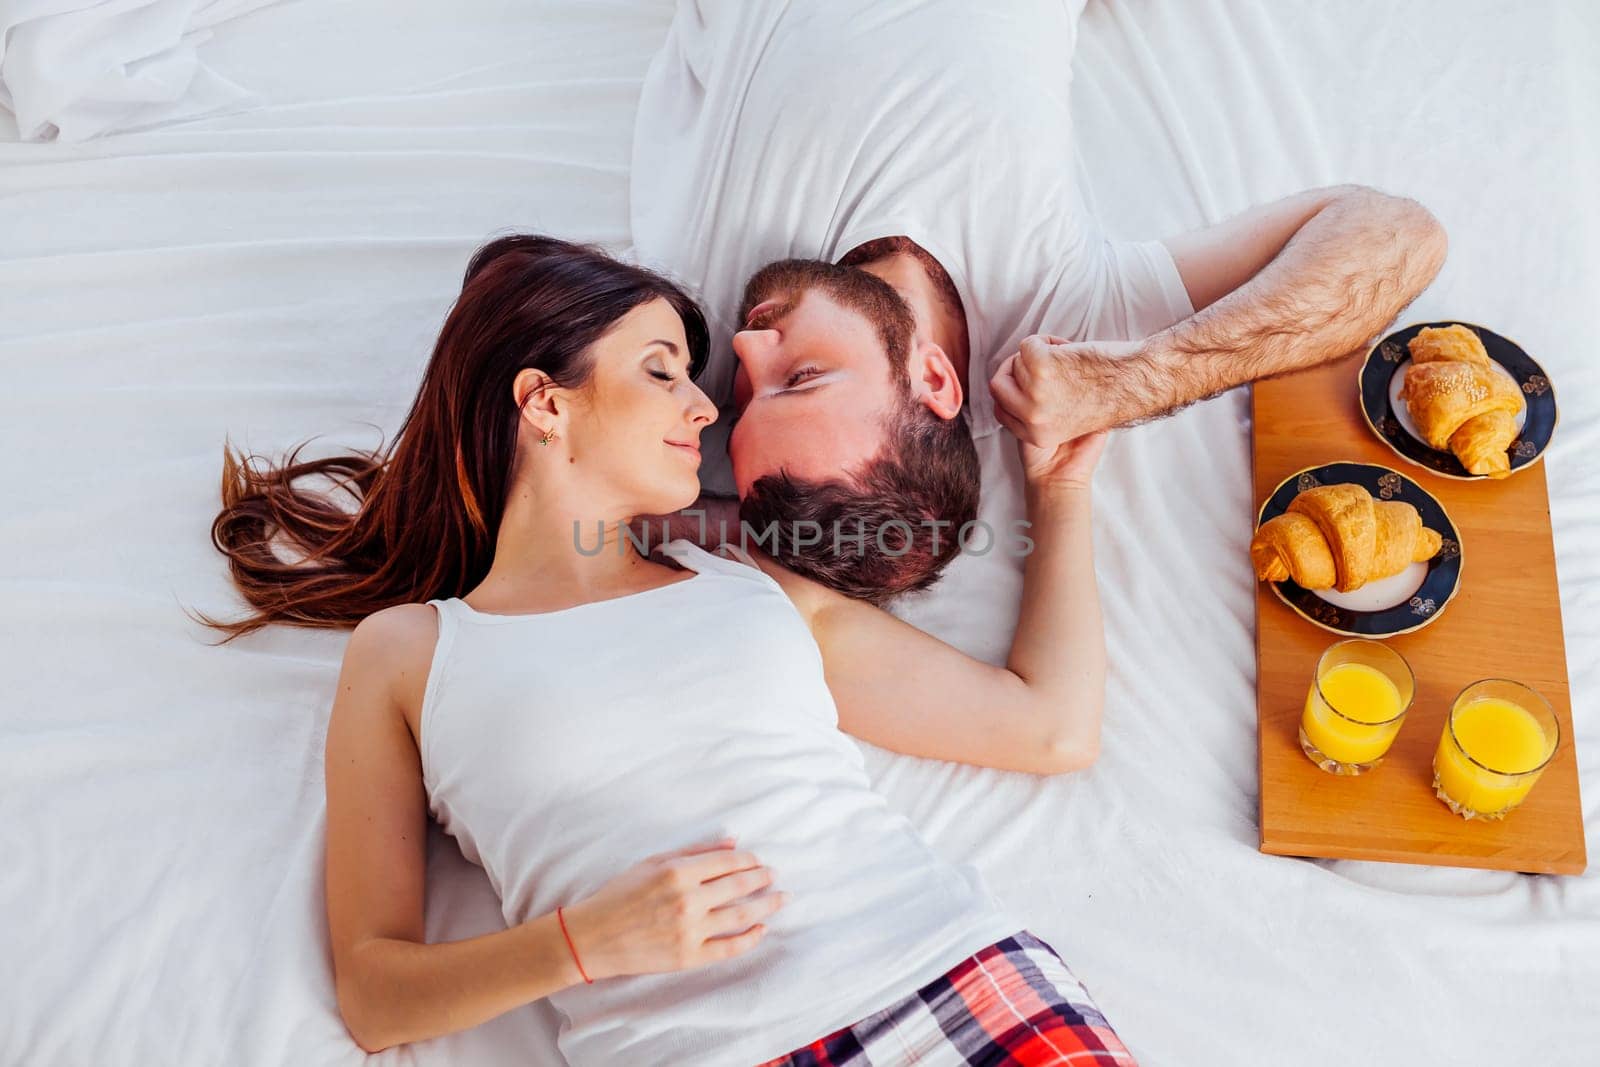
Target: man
[(899, 188)]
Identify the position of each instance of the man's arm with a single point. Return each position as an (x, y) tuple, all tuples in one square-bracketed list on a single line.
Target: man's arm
[(1268, 306), (1216, 260)]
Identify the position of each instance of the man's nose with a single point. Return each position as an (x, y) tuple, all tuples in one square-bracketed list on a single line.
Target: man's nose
[(751, 345)]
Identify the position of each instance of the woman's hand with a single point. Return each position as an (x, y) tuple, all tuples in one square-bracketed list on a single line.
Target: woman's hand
[(674, 910), (1069, 465)]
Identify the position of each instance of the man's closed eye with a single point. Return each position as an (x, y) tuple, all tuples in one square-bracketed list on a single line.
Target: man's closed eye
[(801, 375)]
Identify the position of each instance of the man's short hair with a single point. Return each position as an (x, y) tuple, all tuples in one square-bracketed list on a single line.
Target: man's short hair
[(856, 290), (898, 516), (889, 529)]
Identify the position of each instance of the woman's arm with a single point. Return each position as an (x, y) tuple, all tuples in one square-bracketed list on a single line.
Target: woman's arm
[(905, 690), (392, 987), (412, 991), (669, 911)]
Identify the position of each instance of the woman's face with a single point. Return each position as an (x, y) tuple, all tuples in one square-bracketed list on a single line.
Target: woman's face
[(634, 428)]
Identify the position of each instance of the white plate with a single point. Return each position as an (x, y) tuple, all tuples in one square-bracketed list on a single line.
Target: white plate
[(1380, 595)]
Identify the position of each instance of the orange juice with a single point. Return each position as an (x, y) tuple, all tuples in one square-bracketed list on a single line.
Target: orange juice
[(1363, 718), (1505, 740)]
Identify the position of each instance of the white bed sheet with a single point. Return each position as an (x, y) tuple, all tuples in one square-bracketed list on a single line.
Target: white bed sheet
[(280, 273)]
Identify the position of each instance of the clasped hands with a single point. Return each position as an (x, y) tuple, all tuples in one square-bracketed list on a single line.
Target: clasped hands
[(1048, 395)]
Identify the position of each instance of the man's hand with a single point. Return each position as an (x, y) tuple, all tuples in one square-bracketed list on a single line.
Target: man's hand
[(1286, 286), (1053, 390)]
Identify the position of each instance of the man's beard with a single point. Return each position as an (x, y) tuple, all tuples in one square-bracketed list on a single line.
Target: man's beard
[(866, 294)]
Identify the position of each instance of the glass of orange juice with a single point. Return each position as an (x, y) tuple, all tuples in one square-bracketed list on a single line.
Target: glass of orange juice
[(1357, 703), (1497, 741)]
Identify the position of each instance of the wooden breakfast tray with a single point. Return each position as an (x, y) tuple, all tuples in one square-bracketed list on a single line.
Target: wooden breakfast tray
[(1504, 622)]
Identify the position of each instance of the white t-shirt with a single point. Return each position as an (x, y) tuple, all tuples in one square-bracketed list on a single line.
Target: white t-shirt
[(561, 748), (769, 129)]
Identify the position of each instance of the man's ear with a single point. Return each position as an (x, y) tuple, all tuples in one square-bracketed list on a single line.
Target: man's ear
[(934, 381)]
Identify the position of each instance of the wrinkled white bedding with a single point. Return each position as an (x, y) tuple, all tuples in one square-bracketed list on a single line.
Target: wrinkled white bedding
[(75, 69), (280, 272)]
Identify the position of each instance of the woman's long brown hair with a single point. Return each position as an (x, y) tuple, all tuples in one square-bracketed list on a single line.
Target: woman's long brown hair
[(432, 501)]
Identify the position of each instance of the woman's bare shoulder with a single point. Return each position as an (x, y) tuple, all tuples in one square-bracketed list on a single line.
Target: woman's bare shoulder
[(396, 645), (395, 630), (808, 595)]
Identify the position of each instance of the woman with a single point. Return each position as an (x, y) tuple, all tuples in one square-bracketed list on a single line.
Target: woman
[(566, 706)]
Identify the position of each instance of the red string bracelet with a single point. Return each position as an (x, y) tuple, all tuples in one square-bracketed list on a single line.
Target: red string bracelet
[(570, 945)]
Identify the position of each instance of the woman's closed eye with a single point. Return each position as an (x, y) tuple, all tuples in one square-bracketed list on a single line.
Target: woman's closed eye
[(662, 375)]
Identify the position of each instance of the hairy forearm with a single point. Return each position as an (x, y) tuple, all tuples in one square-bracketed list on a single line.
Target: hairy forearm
[(1339, 280), (405, 991), (1059, 648)]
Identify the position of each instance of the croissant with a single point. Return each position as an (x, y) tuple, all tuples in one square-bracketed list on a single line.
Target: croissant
[(1459, 401), (1457, 343), (1337, 536), (1481, 442)]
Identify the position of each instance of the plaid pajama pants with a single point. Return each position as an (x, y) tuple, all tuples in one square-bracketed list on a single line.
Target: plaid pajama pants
[(1012, 1004)]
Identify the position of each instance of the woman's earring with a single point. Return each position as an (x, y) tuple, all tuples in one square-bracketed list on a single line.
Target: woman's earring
[(549, 435)]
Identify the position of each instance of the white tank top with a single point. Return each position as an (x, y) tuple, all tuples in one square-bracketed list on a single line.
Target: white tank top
[(561, 748)]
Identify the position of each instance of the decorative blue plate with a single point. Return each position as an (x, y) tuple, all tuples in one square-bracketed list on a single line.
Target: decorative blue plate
[(1407, 601), (1380, 387)]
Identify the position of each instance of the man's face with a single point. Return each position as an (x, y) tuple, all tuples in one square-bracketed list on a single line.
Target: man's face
[(814, 387)]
